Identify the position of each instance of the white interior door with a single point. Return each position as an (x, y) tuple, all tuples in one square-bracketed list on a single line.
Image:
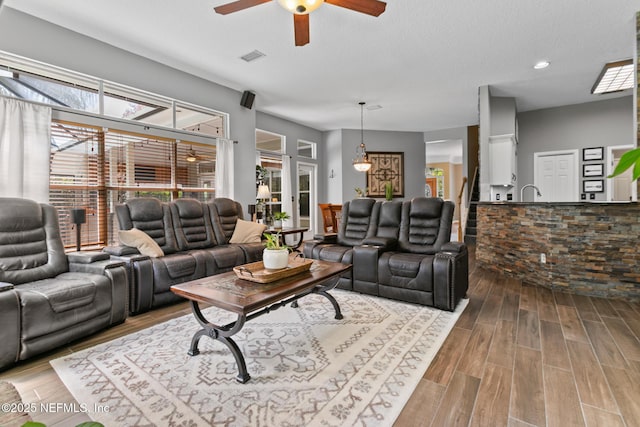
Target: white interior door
[(622, 187), (307, 211), (556, 175)]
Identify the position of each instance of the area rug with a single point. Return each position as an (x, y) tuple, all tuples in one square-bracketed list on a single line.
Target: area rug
[(307, 369)]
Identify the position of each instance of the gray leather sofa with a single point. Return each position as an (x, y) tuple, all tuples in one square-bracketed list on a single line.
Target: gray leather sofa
[(194, 238), (399, 250), (49, 298)]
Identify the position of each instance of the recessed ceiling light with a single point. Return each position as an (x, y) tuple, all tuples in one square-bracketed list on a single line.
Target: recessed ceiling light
[(540, 65), (614, 77), (374, 107)]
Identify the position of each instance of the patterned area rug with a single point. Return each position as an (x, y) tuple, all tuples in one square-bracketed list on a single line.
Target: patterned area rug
[(307, 369)]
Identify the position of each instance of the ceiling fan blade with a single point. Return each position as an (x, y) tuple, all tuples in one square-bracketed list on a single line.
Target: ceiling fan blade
[(238, 5), (370, 7), (301, 29)]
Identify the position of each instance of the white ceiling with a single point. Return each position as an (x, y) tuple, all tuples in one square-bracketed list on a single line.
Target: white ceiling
[(421, 60)]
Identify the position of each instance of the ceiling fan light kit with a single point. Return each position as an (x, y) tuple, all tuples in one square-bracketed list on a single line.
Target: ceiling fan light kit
[(302, 8)]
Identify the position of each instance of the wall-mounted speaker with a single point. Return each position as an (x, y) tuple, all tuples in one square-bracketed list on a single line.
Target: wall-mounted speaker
[(247, 99)]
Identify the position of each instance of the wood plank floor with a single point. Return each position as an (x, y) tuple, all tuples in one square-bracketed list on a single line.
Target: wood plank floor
[(518, 356), (527, 356)]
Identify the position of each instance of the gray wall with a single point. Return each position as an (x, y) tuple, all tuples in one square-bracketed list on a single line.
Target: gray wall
[(331, 155), (595, 124), (33, 38), (410, 143)]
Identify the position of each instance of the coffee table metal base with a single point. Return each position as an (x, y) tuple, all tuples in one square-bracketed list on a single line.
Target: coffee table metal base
[(225, 332)]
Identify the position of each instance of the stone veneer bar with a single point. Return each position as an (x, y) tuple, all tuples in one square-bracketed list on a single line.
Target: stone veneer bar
[(591, 248)]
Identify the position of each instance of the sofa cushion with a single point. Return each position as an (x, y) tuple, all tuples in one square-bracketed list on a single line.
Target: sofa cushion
[(141, 241), (192, 224), (30, 244), (51, 305), (359, 220), (247, 232), (151, 216), (406, 270), (426, 225), (224, 215)]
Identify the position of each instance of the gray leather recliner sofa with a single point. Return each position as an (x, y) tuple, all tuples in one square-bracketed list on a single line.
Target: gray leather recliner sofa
[(399, 250), (49, 298), (194, 237)]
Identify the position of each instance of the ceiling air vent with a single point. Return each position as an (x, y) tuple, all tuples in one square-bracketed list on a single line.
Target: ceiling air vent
[(252, 56)]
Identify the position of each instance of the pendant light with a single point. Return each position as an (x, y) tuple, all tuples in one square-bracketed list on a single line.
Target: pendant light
[(361, 163)]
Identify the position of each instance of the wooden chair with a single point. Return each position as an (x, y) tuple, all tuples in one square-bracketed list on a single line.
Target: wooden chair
[(330, 216), (327, 218)]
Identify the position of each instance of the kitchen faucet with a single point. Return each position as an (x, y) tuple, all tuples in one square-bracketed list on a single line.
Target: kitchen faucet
[(526, 186)]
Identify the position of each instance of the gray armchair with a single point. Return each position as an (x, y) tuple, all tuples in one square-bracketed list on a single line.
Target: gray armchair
[(49, 298)]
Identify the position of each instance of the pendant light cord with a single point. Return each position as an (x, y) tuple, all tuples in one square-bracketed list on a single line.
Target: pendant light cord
[(361, 123)]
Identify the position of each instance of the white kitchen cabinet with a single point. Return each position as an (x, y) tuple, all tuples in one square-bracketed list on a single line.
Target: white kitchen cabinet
[(502, 160)]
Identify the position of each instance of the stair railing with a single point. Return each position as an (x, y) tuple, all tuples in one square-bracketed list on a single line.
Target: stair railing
[(469, 199), (459, 203)]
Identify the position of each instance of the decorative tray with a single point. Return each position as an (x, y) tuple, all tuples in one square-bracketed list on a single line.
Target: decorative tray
[(255, 272)]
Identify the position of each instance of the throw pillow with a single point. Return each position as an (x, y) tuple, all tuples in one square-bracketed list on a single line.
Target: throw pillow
[(141, 241), (247, 232)]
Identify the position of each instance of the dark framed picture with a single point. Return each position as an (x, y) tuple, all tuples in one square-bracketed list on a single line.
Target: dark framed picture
[(593, 186), (589, 154), (596, 169), (385, 167)]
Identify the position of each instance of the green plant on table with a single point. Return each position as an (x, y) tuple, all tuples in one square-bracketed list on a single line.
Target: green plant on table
[(280, 216), (272, 241)]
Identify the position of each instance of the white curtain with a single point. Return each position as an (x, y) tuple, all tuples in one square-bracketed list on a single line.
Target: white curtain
[(25, 149), (287, 204), (224, 168)]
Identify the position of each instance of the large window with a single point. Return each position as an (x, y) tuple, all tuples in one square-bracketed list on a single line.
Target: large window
[(32, 81), (270, 147), (95, 168)]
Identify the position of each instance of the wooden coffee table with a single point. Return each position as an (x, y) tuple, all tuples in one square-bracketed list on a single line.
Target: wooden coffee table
[(249, 300)]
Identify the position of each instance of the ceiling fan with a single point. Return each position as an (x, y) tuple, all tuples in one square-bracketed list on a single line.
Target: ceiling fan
[(192, 156), (302, 8)]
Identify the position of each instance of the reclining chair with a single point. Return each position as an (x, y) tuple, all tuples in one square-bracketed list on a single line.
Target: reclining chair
[(359, 220), (49, 298)]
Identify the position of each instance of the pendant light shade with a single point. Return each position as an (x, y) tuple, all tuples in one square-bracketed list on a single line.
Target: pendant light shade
[(361, 163)]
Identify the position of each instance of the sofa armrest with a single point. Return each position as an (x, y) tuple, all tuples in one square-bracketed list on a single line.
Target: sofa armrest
[(4, 286), (11, 327), (327, 238), (384, 243), (115, 270), (455, 247), (365, 267), (141, 283), (121, 250), (309, 246), (450, 278)]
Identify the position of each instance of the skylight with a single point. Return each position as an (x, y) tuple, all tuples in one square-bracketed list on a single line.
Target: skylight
[(615, 76)]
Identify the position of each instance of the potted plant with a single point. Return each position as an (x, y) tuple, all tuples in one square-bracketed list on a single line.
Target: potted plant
[(275, 255), (388, 190), (278, 217)]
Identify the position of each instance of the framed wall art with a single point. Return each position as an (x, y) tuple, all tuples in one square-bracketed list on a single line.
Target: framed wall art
[(385, 167), (593, 186), (589, 154), (596, 169)]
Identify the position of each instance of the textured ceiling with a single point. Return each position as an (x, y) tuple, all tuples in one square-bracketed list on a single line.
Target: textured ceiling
[(421, 60)]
